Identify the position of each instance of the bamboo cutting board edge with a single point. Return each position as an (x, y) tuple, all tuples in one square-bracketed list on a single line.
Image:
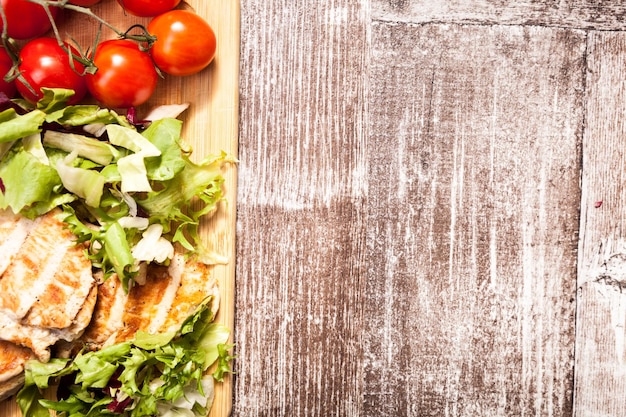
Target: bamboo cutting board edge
[(210, 126)]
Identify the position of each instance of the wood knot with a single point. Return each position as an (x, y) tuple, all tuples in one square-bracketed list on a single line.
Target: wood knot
[(614, 272)]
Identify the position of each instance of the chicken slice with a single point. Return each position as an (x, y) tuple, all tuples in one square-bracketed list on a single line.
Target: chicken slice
[(37, 264), (13, 358), (168, 296), (47, 289), (41, 339)]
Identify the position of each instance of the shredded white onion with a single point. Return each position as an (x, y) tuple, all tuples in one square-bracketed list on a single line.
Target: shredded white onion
[(166, 110), (96, 129), (131, 222), (152, 246)]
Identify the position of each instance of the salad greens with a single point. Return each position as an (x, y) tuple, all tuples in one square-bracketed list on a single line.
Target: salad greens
[(110, 188), (155, 374), (133, 192)]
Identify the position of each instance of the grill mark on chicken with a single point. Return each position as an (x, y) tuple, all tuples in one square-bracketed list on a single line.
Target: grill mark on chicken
[(107, 314), (13, 358), (177, 299), (13, 232), (34, 267), (175, 272), (47, 292), (167, 297), (143, 303), (40, 339), (83, 318), (63, 290), (196, 284)]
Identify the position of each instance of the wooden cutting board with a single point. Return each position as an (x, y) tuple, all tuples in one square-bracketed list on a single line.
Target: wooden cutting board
[(210, 126)]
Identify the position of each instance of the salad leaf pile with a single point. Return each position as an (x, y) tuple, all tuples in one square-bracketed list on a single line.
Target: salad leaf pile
[(129, 190), (155, 374)]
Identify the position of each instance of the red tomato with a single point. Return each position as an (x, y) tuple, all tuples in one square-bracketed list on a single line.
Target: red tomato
[(43, 63), (185, 42), (126, 76), (148, 8), (6, 63), (26, 20), (84, 3)]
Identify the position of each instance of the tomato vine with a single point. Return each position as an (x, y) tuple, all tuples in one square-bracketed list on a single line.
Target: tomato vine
[(188, 57)]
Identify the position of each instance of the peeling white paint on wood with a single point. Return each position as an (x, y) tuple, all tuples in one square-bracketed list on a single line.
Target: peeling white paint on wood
[(410, 202), (600, 371), (600, 368), (582, 14)]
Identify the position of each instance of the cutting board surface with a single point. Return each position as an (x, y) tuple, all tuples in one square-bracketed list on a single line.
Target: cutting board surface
[(210, 126)]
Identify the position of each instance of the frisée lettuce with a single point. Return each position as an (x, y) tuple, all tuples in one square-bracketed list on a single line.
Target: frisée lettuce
[(154, 374), (111, 187)]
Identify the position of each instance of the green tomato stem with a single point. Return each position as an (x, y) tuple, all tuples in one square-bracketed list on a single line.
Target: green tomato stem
[(64, 4), (11, 48)]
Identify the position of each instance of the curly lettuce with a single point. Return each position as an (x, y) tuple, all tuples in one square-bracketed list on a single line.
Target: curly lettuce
[(154, 374), (102, 183)]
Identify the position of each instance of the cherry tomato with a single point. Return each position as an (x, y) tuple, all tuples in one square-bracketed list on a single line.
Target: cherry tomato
[(148, 8), (84, 3), (126, 76), (6, 63), (185, 42), (26, 20), (43, 63)]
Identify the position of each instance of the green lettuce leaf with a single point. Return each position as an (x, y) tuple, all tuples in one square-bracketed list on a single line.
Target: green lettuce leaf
[(132, 140), (85, 183), (165, 135), (29, 399), (194, 192), (114, 171), (54, 105), (133, 173), (85, 114), (86, 147), (26, 179), (16, 126), (54, 99), (118, 252), (161, 374)]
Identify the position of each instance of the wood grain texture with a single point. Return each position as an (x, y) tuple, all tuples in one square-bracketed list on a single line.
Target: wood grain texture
[(579, 14), (472, 220), (603, 154), (600, 372), (600, 379), (408, 212), (301, 241)]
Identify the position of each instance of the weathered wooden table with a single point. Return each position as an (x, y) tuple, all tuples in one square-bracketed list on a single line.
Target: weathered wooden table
[(431, 208)]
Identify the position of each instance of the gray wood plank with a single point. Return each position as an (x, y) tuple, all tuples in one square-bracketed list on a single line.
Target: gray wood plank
[(300, 209), (408, 211), (600, 376), (474, 157), (582, 14), (603, 198), (600, 353)]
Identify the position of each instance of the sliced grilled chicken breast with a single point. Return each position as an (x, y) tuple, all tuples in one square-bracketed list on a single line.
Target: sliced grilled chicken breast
[(50, 299), (47, 289), (168, 296), (12, 361)]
